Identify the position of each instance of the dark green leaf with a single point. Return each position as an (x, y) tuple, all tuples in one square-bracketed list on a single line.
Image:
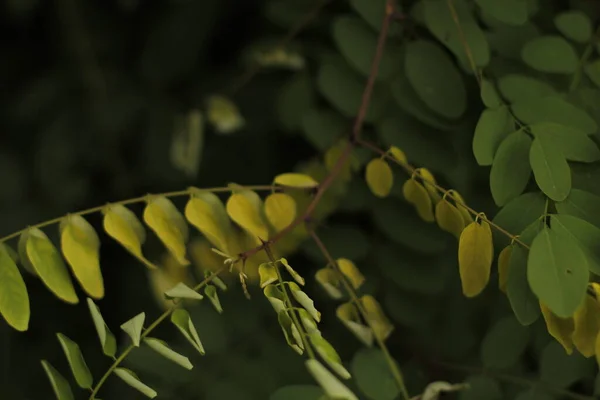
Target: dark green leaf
[(581, 204), (373, 11), (575, 25), (493, 126), (298, 392), (295, 99), (489, 94), (557, 271), (504, 343), (373, 376), (518, 214), (573, 143), (512, 12), (550, 168), (511, 170), (560, 370), (550, 54), (583, 233), (516, 87)]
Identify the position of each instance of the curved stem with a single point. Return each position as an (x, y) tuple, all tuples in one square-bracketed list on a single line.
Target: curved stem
[(145, 333)]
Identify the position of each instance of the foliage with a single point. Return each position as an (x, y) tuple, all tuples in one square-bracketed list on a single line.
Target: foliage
[(407, 262)]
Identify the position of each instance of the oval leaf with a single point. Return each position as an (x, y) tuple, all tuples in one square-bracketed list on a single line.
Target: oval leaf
[(280, 210), (475, 256), (122, 225), (296, 180), (550, 53), (379, 177), (14, 299), (206, 212), (416, 194), (166, 221), (550, 168), (511, 170), (243, 212)]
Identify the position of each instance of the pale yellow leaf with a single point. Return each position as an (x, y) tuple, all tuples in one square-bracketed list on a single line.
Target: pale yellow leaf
[(122, 225), (379, 177), (329, 281), (559, 328), (460, 202), (80, 245), (280, 210), (296, 180), (349, 269), (382, 327), (350, 317), (241, 210), (206, 212), (429, 183), (416, 194), (398, 155), (267, 273), (475, 256), (449, 218), (166, 221), (503, 264), (292, 272), (587, 326)]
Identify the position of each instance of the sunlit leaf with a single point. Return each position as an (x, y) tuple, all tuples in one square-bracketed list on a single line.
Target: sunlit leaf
[(416, 194), (207, 213), (305, 301), (280, 210), (14, 299), (587, 326), (350, 317), (382, 327), (211, 292), (166, 221), (292, 272), (503, 265), (243, 212), (449, 218), (288, 328), (329, 281), (349, 269), (267, 273), (329, 355), (296, 180), (379, 177), (80, 370), (124, 226)]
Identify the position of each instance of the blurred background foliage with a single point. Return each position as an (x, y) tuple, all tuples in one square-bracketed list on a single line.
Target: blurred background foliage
[(94, 96)]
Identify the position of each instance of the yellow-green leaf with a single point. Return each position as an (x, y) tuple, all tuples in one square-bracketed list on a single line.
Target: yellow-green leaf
[(241, 210), (461, 206), (350, 317), (560, 329), (224, 114), (503, 264), (398, 154), (292, 272), (80, 245), (80, 370), (107, 339), (475, 256), (133, 328), (328, 353), (267, 273), (379, 177), (183, 291), (206, 212), (380, 323), (181, 319), (280, 210), (60, 386), (449, 218), (132, 380), (429, 184), (14, 299), (164, 350), (293, 339), (329, 282), (49, 266), (296, 180), (305, 301), (166, 221), (587, 326), (328, 382), (417, 195), (351, 272), (124, 226), (211, 292)]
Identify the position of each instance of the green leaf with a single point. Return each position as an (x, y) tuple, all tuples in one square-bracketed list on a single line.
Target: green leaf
[(489, 94), (551, 54), (573, 143), (80, 370), (211, 292), (511, 170), (581, 204), (481, 387), (328, 354), (298, 392), (583, 233), (511, 12), (592, 70), (493, 126), (522, 300), (518, 214), (373, 376), (330, 384), (516, 87), (107, 339), (182, 291), (373, 11), (439, 20), (14, 299), (132, 380), (182, 320), (323, 127), (550, 168), (557, 271), (164, 350), (435, 78), (61, 387), (554, 109), (560, 370), (133, 328), (358, 44), (504, 344), (49, 265), (575, 25)]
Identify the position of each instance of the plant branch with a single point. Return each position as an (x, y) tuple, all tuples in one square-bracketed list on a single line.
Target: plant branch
[(390, 361), (147, 331), (410, 170)]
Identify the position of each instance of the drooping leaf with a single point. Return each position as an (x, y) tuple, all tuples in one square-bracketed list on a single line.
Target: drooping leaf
[(587, 326), (489, 95), (435, 78), (550, 53), (449, 218), (183, 291), (124, 226), (575, 25), (379, 322), (211, 292), (107, 339), (224, 114), (350, 317), (79, 368), (379, 177), (416, 194), (328, 354), (132, 380), (305, 301), (493, 126), (243, 212), (182, 320), (207, 213), (550, 168), (14, 299), (49, 266), (504, 344), (170, 226), (329, 282), (351, 272), (557, 272), (372, 374), (280, 210), (292, 337), (560, 329), (80, 245), (328, 382), (429, 183), (511, 169), (60, 386), (574, 144), (133, 328), (164, 350), (475, 256), (297, 277), (296, 180)]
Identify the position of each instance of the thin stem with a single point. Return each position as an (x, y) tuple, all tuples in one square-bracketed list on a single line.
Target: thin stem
[(410, 170), (140, 199), (390, 361), (463, 40), (146, 332), (290, 305)]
